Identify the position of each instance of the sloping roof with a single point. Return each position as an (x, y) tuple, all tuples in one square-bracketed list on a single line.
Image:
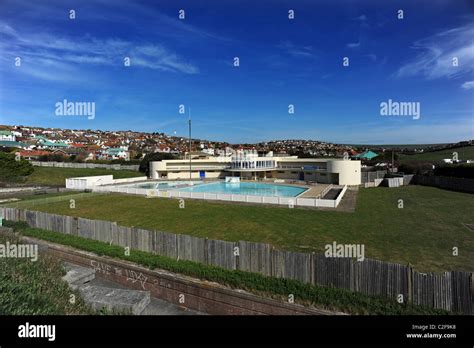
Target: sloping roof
[(5, 132), (26, 153), (114, 151), (367, 155), (53, 144), (72, 151), (13, 144)]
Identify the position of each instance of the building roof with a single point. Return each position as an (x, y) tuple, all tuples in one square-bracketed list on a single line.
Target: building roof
[(114, 151), (5, 132), (26, 153), (50, 143), (13, 144), (72, 151), (367, 155)]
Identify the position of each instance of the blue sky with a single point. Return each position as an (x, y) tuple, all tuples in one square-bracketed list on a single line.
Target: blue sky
[(282, 62)]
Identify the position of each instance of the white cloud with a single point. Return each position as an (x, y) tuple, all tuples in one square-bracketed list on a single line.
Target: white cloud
[(468, 85), (438, 52), (353, 44), (44, 50), (291, 49)]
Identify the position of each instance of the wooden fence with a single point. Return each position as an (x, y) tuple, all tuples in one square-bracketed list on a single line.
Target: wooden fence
[(367, 177), (445, 182), (452, 291), (133, 167)]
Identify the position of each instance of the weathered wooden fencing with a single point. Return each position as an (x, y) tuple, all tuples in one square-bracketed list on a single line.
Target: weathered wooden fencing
[(452, 291), (133, 167), (367, 177), (445, 182)]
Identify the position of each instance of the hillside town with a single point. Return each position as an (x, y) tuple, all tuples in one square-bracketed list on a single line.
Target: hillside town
[(36, 143), (55, 144)]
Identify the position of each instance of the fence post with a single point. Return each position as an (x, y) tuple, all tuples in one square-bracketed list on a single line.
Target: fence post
[(409, 284), (237, 257), (472, 292), (312, 269), (206, 250)]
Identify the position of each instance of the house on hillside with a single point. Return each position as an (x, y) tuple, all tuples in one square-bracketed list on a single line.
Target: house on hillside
[(6, 135), (43, 143), (14, 144), (116, 153), (33, 155)]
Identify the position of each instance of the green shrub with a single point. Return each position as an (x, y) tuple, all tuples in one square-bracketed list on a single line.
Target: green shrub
[(10, 168)]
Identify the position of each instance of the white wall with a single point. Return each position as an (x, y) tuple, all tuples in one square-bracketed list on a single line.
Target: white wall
[(88, 181), (349, 171)]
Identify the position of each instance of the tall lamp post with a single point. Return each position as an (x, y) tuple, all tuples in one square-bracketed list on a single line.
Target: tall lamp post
[(189, 122)]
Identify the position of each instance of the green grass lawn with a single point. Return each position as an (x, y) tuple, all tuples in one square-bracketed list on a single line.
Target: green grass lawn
[(464, 153), (57, 176), (423, 233)]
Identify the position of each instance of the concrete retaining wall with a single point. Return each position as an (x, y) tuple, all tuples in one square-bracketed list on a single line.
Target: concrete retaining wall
[(183, 291)]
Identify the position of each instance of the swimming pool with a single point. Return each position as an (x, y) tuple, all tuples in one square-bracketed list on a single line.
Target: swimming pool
[(247, 188)]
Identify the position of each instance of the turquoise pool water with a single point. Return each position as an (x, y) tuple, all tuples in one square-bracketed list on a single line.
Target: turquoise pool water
[(247, 188)]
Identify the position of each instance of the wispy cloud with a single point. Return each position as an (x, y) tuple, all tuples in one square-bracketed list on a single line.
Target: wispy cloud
[(468, 85), (296, 51), (372, 57), (353, 44), (438, 54), (123, 12), (45, 50)]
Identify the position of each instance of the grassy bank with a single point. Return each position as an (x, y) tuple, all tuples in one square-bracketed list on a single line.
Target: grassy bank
[(50, 176), (321, 297), (423, 233), (35, 287)]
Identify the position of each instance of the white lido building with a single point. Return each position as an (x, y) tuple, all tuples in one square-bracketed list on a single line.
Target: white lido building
[(251, 166)]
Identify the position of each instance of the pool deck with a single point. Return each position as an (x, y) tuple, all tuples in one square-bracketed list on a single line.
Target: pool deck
[(313, 191)]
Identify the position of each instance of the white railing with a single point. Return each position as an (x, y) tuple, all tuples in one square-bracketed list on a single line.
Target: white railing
[(339, 197), (133, 179), (289, 201), (326, 190)]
